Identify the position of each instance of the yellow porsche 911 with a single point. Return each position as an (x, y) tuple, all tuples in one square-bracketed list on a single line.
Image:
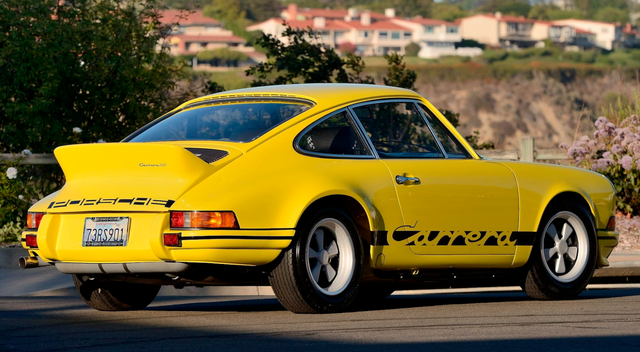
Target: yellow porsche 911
[(330, 193)]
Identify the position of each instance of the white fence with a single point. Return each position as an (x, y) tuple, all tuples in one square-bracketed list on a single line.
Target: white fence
[(527, 152)]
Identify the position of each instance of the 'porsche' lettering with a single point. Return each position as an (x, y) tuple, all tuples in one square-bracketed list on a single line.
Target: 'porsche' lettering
[(141, 201)]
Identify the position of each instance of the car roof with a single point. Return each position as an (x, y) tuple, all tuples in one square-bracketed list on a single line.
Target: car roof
[(324, 94)]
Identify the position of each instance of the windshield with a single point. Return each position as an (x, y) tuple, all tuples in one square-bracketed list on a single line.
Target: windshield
[(238, 121)]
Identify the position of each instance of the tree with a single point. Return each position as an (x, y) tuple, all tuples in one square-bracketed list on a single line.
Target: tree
[(612, 14), (222, 56), (447, 12), (304, 60), (510, 7), (243, 11), (90, 65), (399, 75)]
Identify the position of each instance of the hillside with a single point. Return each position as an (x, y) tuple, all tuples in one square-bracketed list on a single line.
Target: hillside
[(505, 102)]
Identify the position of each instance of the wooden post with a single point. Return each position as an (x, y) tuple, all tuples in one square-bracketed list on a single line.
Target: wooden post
[(527, 149)]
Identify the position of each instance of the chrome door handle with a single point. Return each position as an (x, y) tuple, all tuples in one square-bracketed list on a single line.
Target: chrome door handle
[(401, 180)]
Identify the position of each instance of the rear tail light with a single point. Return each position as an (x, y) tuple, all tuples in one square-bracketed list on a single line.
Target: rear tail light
[(172, 240), (611, 225), (33, 220), (204, 219), (32, 241)]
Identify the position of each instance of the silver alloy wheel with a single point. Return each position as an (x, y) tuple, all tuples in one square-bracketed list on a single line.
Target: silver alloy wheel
[(565, 247), (330, 257)]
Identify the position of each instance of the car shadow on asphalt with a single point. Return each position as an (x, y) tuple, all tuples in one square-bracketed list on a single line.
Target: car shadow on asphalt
[(270, 303)]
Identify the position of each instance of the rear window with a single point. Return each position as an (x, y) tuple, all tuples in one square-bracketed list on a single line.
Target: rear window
[(237, 121)]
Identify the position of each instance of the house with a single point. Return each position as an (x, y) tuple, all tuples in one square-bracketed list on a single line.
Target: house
[(292, 12), (370, 34), (436, 38), (630, 37), (563, 35), (194, 32), (607, 35), (497, 30)]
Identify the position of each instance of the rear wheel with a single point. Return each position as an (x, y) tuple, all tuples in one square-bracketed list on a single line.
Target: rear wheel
[(114, 296), (565, 253), (321, 272)]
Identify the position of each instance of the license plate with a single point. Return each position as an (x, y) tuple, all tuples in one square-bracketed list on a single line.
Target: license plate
[(105, 231)]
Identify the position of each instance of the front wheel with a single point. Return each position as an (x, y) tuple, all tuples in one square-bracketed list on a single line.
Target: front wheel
[(321, 271), (565, 252), (114, 296)]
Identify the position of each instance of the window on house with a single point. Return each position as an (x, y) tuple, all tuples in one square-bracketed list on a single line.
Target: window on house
[(395, 35), (429, 29), (407, 35), (364, 34), (383, 35), (452, 29)]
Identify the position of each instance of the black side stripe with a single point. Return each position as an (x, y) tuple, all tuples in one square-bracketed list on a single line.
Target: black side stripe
[(523, 238), (186, 238), (379, 238)]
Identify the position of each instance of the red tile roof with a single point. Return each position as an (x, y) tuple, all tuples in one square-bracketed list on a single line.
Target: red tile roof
[(333, 14), (329, 24), (185, 18), (506, 18), (342, 24), (385, 24), (591, 21), (431, 22)]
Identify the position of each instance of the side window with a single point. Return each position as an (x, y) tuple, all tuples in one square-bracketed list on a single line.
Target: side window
[(397, 130), (451, 145), (335, 135)]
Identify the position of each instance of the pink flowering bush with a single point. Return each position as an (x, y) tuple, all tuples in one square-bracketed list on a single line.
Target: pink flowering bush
[(613, 151)]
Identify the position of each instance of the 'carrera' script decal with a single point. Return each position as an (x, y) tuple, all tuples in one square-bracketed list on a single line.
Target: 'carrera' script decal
[(141, 201), (414, 237)]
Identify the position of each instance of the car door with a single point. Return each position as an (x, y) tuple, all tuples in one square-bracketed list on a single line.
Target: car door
[(455, 208)]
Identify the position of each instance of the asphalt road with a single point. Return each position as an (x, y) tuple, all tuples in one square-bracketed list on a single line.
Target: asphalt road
[(601, 320)]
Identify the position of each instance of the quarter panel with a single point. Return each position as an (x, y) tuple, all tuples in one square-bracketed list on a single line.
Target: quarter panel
[(540, 183), (271, 186)]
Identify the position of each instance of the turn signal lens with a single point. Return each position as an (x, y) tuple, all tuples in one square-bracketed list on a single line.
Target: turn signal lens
[(204, 219), (611, 225), (33, 220), (172, 240), (32, 241)]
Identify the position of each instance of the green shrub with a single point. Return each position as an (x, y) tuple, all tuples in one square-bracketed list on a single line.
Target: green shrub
[(412, 49)]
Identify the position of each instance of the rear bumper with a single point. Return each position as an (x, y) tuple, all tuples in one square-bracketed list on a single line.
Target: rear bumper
[(60, 243), (607, 241)]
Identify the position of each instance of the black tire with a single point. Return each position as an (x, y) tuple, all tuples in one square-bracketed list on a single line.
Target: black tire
[(546, 280), (293, 280), (115, 296)]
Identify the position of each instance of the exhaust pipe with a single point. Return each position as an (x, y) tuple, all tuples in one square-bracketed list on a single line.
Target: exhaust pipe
[(29, 262)]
